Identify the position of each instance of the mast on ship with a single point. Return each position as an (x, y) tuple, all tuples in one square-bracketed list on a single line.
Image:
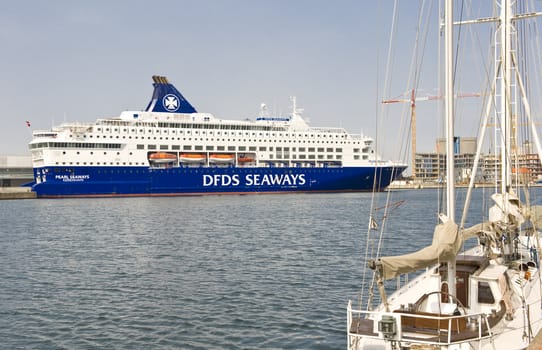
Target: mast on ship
[(506, 73), (449, 106)]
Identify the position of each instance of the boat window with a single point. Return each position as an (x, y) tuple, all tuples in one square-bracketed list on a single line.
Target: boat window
[(151, 146), (199, 148), (187, 147), (163, 146), (485, 296), (209, 148)]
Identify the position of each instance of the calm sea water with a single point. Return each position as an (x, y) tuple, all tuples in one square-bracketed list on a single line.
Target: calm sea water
[(210, 272)]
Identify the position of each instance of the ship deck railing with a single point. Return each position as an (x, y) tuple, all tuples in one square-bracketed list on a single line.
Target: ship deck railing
[(416, 327)]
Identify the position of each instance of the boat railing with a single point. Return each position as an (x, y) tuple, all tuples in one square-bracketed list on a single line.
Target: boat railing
[(416, 327)]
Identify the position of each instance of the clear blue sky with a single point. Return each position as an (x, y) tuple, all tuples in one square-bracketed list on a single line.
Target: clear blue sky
[(79, 60)]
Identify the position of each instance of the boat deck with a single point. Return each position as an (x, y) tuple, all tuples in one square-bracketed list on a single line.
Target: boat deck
[(430, 328)]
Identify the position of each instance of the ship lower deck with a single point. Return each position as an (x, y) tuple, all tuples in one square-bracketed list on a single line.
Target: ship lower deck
[(145, 181)]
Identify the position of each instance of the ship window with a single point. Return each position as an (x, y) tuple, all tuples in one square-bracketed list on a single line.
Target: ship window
[(140, 146), (311, 156), (199, 148), (175, 147), (339, 156), (263, 149), (220, 148), (365, 157), (151, 146), (231, 148), (338, 150), (311, 149), (301, 149), (242, 148), (320, 149), (485, 296), (356, 157), (187, 147), (302, 156)]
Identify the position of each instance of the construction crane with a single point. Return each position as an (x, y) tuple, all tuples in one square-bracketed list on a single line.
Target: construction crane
[(412, 101)]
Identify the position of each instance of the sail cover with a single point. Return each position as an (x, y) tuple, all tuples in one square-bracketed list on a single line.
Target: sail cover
[(446, 244)]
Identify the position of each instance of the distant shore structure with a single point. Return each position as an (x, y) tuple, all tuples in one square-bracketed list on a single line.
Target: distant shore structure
[(15, 170)]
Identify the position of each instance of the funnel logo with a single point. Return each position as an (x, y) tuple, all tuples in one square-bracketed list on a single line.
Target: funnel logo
[(171, 103)]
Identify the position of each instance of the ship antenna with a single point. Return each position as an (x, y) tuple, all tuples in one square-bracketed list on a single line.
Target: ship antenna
[(295, 111)]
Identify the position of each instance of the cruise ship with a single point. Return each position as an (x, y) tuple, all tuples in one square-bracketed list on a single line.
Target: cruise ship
[(170, 149)]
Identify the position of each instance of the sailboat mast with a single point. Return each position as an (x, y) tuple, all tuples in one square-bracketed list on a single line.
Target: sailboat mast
[(506, 97), (449, 107)]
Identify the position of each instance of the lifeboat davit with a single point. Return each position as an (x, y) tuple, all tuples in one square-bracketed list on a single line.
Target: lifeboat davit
[(221, 158), (162, 157), (192, 157)]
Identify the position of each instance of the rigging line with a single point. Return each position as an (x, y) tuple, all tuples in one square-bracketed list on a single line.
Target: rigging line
[(393, 205), (537, 53), (459, 31), (368, 244)]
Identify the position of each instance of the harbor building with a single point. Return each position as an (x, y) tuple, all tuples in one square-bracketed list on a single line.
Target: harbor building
[(431, 167), (15, 170)]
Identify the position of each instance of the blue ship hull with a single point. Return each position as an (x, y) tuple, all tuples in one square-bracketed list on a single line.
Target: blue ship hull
[(145, 181)]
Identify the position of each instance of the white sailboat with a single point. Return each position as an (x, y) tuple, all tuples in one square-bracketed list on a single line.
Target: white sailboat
[(488, 296)]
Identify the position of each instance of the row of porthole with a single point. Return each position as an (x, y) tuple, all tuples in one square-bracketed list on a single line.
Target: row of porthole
[(117, 163), (342, 136), (231, 140)]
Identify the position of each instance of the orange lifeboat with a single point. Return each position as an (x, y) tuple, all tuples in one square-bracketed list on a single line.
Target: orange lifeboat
[(245, 159), (162, 157), (192, 157), (221, 158)]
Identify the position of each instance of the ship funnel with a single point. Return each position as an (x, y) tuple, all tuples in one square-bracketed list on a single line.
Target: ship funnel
[(167, 99)]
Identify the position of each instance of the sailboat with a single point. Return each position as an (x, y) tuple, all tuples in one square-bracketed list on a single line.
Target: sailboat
[(485, 297)]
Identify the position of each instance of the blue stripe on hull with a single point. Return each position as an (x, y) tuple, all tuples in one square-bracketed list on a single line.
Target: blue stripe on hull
[(144, 181)]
